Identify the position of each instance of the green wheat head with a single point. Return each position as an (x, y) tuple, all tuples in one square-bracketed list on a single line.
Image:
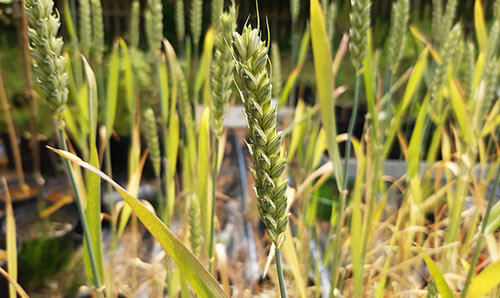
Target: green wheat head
[(180, 27), (447, 21), (98, 32), (294, 9), (264, 141), (496, 10), (195, 225), (45, 48), (470, 66), (154, 26), (437, 14), (490, 74), (216, 11), (222, 68), (85, 26), (330, 17), (276, 70), (152, 140), (399, 21), (184, 102), (439, 79), (134, 25), (360, 23), (195, 20)]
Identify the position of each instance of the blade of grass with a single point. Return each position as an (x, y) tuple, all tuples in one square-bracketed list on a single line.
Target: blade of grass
[(325, 84), (203, 165), (480, 26), (441, 284), (93, 208)]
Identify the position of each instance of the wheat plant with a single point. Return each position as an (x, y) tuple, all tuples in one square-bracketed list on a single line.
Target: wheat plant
[(251, 75)]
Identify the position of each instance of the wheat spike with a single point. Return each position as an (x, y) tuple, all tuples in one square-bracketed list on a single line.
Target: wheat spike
[(437, 14), (195, 225), (222, 68), (151, 134), (294, 9), (98, 32), (45, 48), (251, 75), (180, 27), (134, 35), (85, 26), (195, 20), (360, 23), (439, 78), (399, 22), (216, 11), (154, 26)]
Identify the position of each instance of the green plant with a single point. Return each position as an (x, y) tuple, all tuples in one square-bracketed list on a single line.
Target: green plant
[(264, 141)]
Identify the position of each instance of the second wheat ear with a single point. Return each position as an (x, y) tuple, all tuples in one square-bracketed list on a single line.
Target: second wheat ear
[(264, 141)]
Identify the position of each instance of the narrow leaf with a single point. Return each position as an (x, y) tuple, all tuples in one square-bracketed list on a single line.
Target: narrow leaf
[(441, 284), (325, 84)]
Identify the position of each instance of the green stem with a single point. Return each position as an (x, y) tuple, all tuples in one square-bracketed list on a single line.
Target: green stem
[(212, 213), (338, 224), (114, 238), (280, 273), (477, 249), (81, 213)]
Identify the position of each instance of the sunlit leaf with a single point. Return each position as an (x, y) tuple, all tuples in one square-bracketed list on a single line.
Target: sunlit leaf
[(325, 84)]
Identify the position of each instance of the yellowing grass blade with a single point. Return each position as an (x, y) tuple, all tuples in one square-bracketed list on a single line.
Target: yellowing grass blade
[(10, 239), (481, 34), (325, 84), (202, 282), (441, 284), (203, 165), (485, 281)]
